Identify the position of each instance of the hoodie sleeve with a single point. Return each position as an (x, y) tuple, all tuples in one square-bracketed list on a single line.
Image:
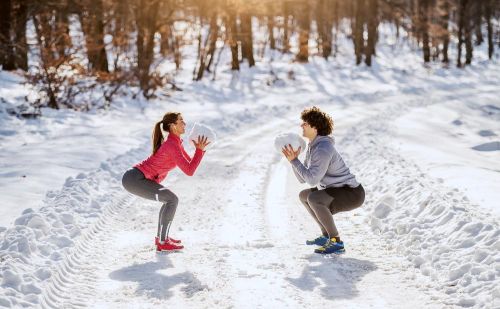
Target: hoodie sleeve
[(297, 175), (320, 160), (188, 167)]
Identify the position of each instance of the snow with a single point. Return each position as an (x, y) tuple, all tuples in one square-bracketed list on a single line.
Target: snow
[(423, 141), (200, 129), (292, 139)]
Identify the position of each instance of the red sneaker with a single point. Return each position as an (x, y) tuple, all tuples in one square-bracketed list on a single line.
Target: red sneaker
[(171, 240), (168, 246), (174, 241)]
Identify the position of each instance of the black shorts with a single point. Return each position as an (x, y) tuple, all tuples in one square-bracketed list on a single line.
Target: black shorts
[(345, 198)]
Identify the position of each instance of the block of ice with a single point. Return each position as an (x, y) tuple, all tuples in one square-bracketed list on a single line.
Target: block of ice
[(289, 138), (202, 130)]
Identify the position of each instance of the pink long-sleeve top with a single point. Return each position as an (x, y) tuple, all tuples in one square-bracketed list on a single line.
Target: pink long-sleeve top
[(170, 154)]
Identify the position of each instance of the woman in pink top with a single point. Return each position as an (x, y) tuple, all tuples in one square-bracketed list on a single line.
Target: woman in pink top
[(144, 178)]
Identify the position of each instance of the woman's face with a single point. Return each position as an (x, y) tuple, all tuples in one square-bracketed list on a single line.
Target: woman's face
[(179, 127)]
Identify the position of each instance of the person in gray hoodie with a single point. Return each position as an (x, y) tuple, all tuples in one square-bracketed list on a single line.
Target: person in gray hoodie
[(334, 187)]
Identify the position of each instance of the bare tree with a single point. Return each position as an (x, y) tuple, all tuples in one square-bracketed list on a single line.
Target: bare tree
[(207, 51), (6, 46), (444, 17), (246, 38), (92, 19), (478, 17), (357, 29), (286, 31), (488, 12), (464, 31), (270, 26), (57, 74), (232, 30), (324, 23), (19, 35), (372, 25), (146, 22), (423, 28), (214, 35), (304, 23)]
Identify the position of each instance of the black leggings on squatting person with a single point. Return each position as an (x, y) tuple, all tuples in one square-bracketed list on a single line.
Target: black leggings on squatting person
[(322, 204), (136, 183)]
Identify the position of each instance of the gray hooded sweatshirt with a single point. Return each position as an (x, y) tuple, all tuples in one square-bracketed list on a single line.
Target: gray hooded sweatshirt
[(323, 166)]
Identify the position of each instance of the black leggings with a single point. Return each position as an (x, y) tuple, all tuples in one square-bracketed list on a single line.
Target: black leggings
[(322, 204), (136, 183)]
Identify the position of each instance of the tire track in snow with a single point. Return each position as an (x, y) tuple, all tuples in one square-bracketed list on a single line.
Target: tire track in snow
[(73, 281)]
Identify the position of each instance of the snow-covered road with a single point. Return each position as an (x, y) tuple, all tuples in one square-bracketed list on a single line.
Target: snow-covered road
[(420, 240), (244, 249)]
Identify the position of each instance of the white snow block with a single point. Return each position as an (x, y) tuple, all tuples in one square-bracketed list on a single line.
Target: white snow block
[(202, 130), (289, 138)]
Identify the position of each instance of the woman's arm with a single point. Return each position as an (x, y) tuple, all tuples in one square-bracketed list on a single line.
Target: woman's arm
[(185, 154), (188, 167)]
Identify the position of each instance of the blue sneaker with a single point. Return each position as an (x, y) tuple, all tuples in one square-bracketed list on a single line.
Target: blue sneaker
[(332, 246), (320, 241)]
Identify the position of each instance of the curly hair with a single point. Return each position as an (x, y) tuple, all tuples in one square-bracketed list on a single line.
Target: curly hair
[(318, 119)]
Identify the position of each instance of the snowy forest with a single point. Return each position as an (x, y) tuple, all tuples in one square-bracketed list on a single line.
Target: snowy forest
[(389, 197), (120, 43)]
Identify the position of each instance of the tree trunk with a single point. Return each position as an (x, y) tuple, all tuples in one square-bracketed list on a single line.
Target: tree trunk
[(206, 53), (61, 30), (6, 49), (478, 16), (286, 39), (320, 23), (233, 43), (177, 48), (468, 35), (120, 17), (488, 12), (146, 27), (372, 25), (93, 26), (324, 25), (423, 20), (304, 23), (444, 11), (270, 29), (20, 43), (465, 25), (201, 54), (165, 44), (246, 38), (357, 32), (214, 34), (461, 26), (335, 25)]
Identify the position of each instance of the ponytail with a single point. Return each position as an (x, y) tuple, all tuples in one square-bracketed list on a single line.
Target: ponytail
[(164, 124), (157, 136)]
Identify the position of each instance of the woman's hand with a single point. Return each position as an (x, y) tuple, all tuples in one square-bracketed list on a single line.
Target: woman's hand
[(289, 153), (202, 142)]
